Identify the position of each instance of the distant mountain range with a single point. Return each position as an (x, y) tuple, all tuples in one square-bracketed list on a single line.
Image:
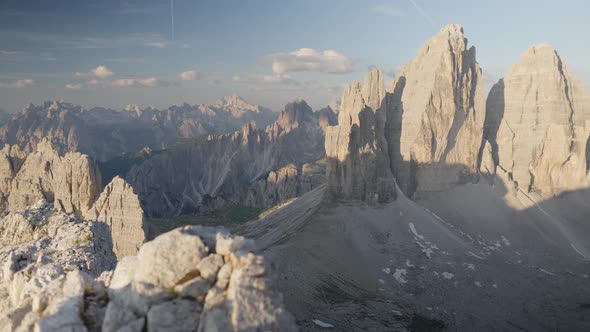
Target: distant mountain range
[(104, 133)]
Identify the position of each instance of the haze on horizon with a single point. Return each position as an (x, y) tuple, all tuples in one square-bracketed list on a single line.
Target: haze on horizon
[(162, 52)]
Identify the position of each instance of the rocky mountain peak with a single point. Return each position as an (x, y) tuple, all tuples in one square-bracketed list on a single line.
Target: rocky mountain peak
[(295, 114), (373, 89), (538, 124), (358, 165), (134, 108), (234, 101)]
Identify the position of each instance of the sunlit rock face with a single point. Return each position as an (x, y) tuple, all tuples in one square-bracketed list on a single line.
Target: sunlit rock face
[(425, 130), (358, 166), (118, 207), (71, 181), (435, 116), (537, 124)]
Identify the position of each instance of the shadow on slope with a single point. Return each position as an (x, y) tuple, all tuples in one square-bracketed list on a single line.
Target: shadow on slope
[(463, 256)]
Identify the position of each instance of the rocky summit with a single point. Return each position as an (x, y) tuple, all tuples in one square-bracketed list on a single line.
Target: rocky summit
[(425, 130), (538, 124), (190, 279)]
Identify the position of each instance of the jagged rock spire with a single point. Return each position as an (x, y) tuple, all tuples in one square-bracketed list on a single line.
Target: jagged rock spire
[(358, 165), (538, 124), (426, 129), (437, 113)]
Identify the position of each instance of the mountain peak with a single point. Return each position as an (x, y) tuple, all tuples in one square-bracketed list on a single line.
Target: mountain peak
[(233, 100)]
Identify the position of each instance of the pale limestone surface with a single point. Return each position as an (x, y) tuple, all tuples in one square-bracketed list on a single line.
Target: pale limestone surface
[(119, 207), (426, 129), (190, 279), (358, 165), (538, 124), (438, 111), (71, 181), (38, 246)]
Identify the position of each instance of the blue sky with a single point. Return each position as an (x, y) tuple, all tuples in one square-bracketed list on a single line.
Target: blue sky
[(113, 53)]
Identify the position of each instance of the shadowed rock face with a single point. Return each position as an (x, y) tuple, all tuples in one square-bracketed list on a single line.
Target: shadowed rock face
[(72, 183), (358, 166), (426, 130), (104, 133), (537, 124), (251, 166), (438, 98)]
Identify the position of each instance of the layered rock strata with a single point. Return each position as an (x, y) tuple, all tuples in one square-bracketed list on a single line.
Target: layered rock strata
[(426, 129), (537, 125), (190, 279), (237, 168), (358, 164)]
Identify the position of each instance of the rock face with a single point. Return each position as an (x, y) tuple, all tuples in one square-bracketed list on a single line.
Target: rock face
[(358, 164), (426, 129), (537, 124), (437, 111), (37, 247), (72, 182), (105, 133), (233, 168), (190, 279), (285, 183), (118, 207)]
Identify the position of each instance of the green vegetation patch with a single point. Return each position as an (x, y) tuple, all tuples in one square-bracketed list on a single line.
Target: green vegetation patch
[(237, 213), (229, 216), (423, 324)]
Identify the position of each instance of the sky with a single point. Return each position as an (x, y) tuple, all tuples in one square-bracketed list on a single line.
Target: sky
[(159, 53)]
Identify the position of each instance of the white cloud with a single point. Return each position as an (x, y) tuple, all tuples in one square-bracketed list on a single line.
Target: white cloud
[(143, 82), (389, 10), (190, 75), (123, 82), (72, 86), (18, 84), (100, 72), (261, 79), (149, 82), (308, 59), (4, 52), (157, 44)]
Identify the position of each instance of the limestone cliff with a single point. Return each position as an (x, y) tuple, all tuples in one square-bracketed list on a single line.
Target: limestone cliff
[(72, 184), (435, 115), (209, 173), (71, 181), (537, 124), (426, 129), (118, 207), (190, 279), (358, 165)]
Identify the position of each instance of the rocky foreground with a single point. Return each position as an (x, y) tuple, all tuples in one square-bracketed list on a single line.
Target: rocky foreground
[(56, 275)]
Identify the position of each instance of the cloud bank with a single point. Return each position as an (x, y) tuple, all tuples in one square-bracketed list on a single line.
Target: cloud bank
[(99, 72), (308, 59), (18, 84), (190, 75)]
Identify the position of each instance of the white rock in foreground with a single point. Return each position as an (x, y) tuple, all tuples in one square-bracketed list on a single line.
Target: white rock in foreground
[(190, 279), (538, 125)]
